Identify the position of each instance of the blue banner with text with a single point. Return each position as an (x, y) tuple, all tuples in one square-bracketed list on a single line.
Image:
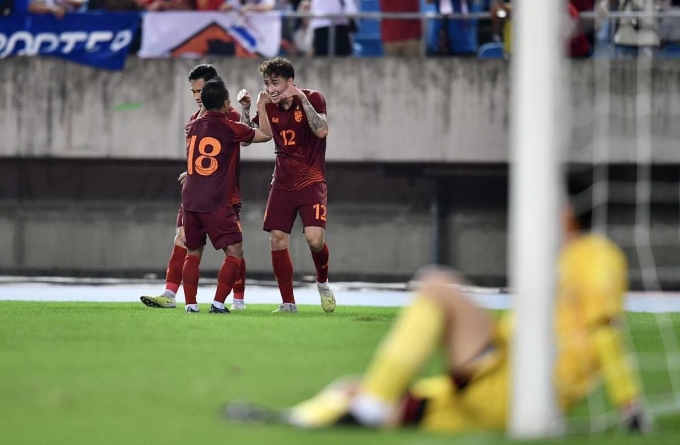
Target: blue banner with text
[(97, 39)]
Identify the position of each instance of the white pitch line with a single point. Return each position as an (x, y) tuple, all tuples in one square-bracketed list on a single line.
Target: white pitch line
[(347, 294)]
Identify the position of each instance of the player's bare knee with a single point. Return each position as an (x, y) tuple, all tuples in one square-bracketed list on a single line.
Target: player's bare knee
[(235, 250), (439, 284), (179, 237), (315, 244), (278, 242), (178, 242)]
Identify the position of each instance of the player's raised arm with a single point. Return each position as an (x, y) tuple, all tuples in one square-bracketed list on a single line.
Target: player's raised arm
[(317, 121), (263, 134), (265, 130), (243, 97)]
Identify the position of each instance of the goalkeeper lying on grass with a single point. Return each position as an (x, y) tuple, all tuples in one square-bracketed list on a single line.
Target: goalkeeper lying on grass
[(473, 392)]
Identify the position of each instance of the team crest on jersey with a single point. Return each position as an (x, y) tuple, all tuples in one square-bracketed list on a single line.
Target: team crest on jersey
[(298, 116), (275, 120)]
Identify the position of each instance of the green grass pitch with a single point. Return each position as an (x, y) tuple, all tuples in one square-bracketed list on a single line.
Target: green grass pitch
[(124, 374)]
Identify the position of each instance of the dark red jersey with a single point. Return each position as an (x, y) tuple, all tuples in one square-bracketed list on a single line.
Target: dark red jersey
[(300, 155), (212, 161), (235, 197)]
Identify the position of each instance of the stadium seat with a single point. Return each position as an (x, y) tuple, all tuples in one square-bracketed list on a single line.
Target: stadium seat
[(367, 41), (491, 51), (670, 51)]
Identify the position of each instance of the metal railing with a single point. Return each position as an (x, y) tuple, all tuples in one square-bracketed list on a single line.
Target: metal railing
[(424, 17)]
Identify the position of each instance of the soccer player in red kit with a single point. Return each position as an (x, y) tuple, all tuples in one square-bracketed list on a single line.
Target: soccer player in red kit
[(173, 277), (213, 144), (299, 128)]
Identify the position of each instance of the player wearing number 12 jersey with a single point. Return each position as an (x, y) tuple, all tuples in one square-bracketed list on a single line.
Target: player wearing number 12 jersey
[(213, 144), (299, 128)]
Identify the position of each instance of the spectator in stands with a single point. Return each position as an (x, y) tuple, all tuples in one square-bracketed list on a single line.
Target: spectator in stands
[(587, 27), (669, 28), (501, 24), (303, 36), (579, 45), (249, 5), (167, 5), (56, 7), (208, 5), (454, 36), (401, 37), (636, 36), (116, 5), (343, 28)]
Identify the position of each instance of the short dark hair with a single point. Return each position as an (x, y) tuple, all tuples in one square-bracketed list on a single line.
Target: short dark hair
[(203, 71), (580, 189), (214, 93), (278, 66)]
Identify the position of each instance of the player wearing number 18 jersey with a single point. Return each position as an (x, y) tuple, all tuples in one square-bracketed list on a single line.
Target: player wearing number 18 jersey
[(299, 128), (173, 277), (212, 162)]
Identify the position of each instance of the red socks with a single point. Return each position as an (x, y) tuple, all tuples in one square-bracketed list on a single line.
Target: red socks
[(190, 277), (283, 271), (173, 274), (226, 277), (321, 263), (240, 284)]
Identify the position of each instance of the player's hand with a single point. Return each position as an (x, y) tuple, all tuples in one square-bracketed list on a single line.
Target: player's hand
[(263, 98), (292, 91), (243, 98), (182, 177)]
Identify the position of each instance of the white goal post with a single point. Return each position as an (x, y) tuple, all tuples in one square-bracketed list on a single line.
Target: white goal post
[(537, 139)]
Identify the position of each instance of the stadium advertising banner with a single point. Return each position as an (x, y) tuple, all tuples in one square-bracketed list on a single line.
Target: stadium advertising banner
[(196, 34), (95, 39)]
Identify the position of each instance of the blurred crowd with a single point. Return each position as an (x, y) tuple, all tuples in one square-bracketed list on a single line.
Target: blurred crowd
[(589, 31)]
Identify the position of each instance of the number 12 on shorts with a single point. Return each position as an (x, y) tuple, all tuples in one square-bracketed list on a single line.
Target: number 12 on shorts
[(320, 210)]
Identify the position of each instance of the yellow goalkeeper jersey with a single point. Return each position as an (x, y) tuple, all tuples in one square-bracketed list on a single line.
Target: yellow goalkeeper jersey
[(591, 288)]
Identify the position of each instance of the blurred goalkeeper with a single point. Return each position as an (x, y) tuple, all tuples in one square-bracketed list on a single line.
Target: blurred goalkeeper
[(474, 390)]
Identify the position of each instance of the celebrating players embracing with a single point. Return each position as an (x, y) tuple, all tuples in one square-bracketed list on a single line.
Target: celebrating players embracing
[(173, 275), (213, 144)]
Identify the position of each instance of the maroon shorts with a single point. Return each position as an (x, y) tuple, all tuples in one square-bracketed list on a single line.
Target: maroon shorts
[(221, 225), (283, 207), (180, 217)]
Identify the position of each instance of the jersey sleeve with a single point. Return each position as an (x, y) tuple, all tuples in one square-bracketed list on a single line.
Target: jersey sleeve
[(242, 132), (234, 115), (318, 102)]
